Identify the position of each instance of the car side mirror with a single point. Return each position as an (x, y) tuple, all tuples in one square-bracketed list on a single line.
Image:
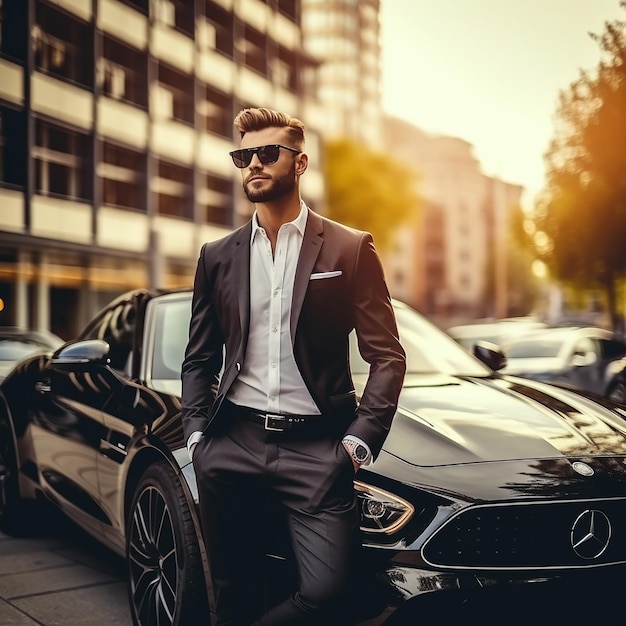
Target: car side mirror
[(81, 355), (490, 354)]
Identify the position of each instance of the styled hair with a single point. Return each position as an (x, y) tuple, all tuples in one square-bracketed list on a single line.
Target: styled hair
[(248, 120)]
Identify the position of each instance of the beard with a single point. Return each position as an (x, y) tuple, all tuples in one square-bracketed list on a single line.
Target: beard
[(280, 186)]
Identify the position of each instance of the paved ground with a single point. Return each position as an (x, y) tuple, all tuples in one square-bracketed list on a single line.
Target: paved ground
[(61, 577)]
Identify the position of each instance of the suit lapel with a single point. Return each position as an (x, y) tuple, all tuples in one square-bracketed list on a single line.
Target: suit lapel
[(241, 263), (311, 246)]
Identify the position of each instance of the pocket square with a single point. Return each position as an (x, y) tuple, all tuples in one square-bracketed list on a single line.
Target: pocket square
[(319, 275)]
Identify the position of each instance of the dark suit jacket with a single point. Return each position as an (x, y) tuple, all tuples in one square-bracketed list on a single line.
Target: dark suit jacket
[(324, 312)]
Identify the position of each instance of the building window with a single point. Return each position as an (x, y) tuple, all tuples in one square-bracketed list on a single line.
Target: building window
[(13, 21), (176, 14), (215, 29), (215, 112), (172, 96), (215, 198), (122, 175), (140, 5), (122, 72), (173, 186), (62, 162), (284, 69), (62, 46), (252, 47), (289, 8), (12, 147), (3, 24)]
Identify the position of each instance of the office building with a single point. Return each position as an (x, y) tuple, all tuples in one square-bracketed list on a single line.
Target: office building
[(115, 126), (345, 36), (450, 262)]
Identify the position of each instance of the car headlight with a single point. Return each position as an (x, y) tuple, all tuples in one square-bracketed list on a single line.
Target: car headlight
[(381, 511)]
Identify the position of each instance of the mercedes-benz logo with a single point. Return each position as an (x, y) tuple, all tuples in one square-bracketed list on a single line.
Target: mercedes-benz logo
[(591, 534), (582, 468)]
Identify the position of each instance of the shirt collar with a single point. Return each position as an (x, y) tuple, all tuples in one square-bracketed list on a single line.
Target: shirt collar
[(299, 222)]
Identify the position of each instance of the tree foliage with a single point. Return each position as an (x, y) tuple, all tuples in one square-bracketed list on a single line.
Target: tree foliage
[(368, 190), (582, 211)]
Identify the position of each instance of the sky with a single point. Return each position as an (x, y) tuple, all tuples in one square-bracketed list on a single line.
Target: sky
[(490, 72)]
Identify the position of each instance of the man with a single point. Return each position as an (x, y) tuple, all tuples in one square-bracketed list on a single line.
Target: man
[(269, 405)]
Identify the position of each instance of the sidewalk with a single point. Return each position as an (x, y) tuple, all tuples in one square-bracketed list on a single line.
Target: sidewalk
[(61, 577)]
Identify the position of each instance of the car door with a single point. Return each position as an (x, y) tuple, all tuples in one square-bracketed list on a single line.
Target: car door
[(66, 431), (138, 411), (585, 364), (117, 325)]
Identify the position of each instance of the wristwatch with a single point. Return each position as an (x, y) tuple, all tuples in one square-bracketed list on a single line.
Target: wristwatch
[(358, 451)]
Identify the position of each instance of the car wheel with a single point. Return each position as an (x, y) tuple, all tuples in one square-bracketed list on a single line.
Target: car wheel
[(166, 578), (617, 392)]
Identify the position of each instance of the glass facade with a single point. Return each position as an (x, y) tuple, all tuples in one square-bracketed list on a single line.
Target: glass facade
[(116, 117)]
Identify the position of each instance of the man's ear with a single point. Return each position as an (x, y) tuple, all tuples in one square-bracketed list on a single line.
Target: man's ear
[(302, 162)]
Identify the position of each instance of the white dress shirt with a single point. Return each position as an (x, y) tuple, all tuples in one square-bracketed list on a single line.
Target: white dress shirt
[(269, 379)]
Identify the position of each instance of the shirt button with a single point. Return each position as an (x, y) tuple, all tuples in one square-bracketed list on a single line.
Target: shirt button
[(273, 365), (274, 329)]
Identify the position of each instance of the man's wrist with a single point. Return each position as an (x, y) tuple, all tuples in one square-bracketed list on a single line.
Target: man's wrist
[(357, 449)]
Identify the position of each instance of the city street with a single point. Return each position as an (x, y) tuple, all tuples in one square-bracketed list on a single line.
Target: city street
[(61, 577)]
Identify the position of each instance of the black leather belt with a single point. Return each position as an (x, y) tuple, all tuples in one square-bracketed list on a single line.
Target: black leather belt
[(275, 422)]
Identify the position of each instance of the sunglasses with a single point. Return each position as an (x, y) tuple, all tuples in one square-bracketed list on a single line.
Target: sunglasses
[(267, 154)]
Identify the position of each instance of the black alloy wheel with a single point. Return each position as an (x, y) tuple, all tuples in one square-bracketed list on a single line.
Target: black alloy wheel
[(166, 578)]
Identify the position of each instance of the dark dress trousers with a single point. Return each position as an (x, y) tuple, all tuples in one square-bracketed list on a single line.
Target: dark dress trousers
[(309, 475)]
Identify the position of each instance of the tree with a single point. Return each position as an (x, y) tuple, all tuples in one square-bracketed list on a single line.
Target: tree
[(582, 211), (368, 190)]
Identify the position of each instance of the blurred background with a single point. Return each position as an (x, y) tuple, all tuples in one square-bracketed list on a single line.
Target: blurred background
[(116, 122)]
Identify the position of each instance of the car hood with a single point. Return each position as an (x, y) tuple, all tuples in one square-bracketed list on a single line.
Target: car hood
[(448, 420)]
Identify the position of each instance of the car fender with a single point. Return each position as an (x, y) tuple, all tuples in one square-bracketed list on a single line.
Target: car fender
[(147, 450)]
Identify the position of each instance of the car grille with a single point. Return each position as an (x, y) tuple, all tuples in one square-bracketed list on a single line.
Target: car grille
[(530, 536)]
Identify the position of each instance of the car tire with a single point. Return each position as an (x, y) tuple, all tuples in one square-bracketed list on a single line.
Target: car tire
[(166, 577), (617, 392)]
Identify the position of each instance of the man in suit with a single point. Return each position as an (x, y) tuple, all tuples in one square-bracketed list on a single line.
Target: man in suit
[(269, 405)]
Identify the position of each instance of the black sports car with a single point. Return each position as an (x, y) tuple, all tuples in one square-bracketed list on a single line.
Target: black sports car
[(486, 483)]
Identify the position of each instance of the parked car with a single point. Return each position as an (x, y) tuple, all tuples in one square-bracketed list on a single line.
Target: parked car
[(485, 482), (585, 357), (617, 390), (496, 331), (18, 343)]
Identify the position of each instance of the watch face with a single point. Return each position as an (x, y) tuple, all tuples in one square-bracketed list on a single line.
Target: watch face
[(360, 453)]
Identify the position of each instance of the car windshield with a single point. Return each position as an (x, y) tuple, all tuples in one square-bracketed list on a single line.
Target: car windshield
[(428, 349), (534, 348)]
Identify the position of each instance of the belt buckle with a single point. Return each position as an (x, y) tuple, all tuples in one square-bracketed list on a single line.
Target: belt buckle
[(271, 421)]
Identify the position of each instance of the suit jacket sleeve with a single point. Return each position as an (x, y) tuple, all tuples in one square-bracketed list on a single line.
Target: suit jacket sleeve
[(379, 345), (204, 354)]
